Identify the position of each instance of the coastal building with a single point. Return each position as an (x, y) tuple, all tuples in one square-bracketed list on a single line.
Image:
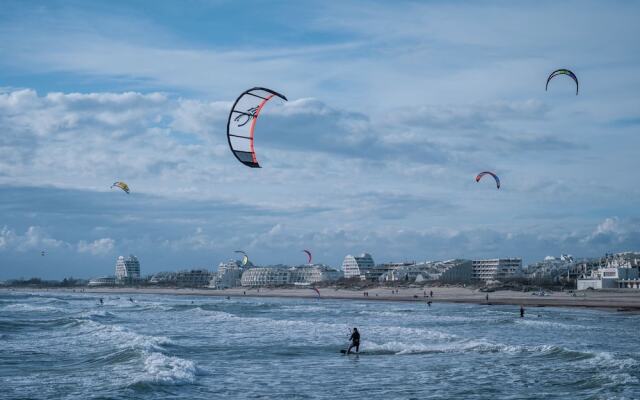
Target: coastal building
[(127, 270), (163, 279), (450, 271), (358, 267), (617, 271), (102, 281), (496, 269), (194, 278), (265, 276), (229, 275), (310, 274)]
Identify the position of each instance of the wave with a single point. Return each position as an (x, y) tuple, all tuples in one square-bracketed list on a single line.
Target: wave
[(122, 337), (166, 370)]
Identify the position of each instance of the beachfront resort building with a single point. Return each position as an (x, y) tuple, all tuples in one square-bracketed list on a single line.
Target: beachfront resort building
[(618, 271), (497, 269), (284, 275), (229, 275), (310, 274), (265, 276), (358, 267), (450, 271), (127, 270), (194, 278)]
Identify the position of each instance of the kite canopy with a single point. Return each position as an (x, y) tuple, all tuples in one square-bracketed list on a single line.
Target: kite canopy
[(122, 186), (242, 123), (481, 174), (245, 257), (562, 71), (309, 256)]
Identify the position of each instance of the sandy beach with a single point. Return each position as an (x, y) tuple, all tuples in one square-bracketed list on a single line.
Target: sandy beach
[(608, 299)]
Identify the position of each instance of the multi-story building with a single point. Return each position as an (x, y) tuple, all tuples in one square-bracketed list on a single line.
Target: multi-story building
[(127, 270), (163, 278), (265, 276), (496, 269), (310, 274), (228, 276), (194, 278), (358, 267), (451, 271)]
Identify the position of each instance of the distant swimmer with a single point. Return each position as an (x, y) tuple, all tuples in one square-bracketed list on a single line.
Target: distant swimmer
[(101, 301), (355, 341), (521, 311)]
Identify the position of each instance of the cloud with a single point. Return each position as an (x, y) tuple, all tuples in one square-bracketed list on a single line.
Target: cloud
[(34, 238), (97, 247)]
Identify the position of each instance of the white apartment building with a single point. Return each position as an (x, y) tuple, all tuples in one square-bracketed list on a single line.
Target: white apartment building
[(127, 269), (361, 266), (496, 269), (451, 271), (102, 281), (310, 274), (265, 277), (229, 275)]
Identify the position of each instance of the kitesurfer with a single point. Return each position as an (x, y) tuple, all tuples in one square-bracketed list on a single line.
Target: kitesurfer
[(101, 301), (355, 341)]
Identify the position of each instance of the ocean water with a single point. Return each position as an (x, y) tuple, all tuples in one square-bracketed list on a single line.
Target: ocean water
[(66, 346)]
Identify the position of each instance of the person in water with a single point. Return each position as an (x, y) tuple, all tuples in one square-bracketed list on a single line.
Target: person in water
[(521, 311), (355, 341), (101, 301)]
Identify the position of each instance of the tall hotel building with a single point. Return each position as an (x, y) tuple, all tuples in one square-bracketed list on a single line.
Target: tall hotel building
[(127, 270), (358, 266)]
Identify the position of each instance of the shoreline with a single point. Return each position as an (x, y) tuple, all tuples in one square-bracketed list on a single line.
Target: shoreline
[(621, 300)]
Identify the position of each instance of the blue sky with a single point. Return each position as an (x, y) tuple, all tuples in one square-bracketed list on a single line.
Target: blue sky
[(393, 109)]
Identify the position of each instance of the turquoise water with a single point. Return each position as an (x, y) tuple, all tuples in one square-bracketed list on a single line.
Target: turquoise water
[(66, 346)]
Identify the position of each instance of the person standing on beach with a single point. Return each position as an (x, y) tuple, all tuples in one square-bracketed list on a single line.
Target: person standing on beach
[(487, 297), (355, 341), (521, 311), (430, 293)]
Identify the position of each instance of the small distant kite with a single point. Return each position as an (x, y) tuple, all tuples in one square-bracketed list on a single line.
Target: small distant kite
[(245, 258), (309, 256), (481, 174), (121, 185), (43, 253), (242, 123), (562, 71)]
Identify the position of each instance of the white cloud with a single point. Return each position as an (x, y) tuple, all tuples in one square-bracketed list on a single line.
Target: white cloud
[(97, 247), (34, 238)]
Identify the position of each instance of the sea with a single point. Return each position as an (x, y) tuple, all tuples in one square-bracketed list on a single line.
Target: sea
[(63, 345)]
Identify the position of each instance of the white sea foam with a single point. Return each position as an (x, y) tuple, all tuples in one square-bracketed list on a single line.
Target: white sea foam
[(125, 338), (163, 369)]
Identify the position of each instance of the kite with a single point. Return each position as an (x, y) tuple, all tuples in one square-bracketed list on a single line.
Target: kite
[(245, 258), (242, 123), (481, 174), (309, 256), (122, 186), (43, 253), (562, 71)]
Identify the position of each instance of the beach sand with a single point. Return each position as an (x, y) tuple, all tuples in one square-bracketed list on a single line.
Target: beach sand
[(622, 299)]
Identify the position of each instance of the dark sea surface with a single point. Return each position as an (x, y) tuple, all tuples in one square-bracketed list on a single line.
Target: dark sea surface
[(65, 346)]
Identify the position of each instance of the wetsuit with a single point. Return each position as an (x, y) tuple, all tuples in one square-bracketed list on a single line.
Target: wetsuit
[(355, 342)]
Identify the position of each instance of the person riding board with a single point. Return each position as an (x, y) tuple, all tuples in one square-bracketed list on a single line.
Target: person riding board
[(355, 341)]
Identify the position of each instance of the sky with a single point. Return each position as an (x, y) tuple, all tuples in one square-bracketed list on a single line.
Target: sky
[(393, 108)]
